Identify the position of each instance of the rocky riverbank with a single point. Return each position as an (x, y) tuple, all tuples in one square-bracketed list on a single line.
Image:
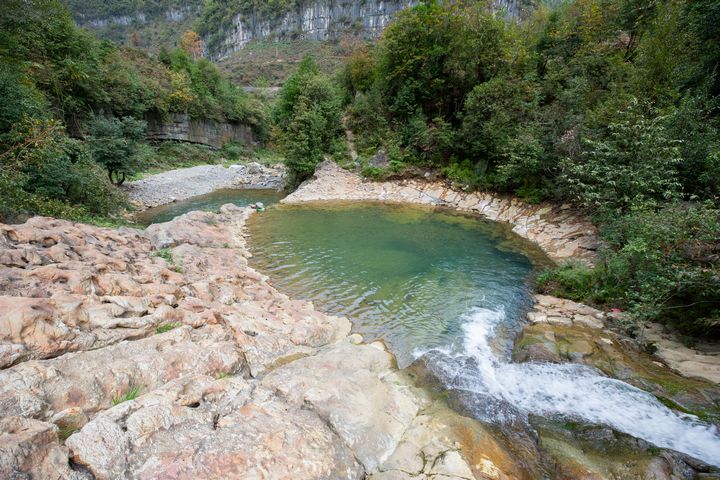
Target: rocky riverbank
[(182, 183), (161, 354), (558, 230)]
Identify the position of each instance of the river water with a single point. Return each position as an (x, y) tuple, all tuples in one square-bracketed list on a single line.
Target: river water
[(451, 289), (210, 202)]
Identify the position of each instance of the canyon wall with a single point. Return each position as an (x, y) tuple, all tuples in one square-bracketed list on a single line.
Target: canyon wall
[(180, 127), (330, 19), (313, 20)]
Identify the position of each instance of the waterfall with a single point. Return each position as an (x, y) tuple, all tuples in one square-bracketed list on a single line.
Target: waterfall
[(571, 390)]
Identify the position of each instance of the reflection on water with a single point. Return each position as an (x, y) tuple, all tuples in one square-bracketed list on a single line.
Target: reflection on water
[(210, 202)]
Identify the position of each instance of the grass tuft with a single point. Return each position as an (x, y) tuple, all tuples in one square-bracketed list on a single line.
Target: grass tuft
[(132, 393), (167, 327)]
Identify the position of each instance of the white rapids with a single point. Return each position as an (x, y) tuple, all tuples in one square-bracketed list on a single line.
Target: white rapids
[(571, 390)]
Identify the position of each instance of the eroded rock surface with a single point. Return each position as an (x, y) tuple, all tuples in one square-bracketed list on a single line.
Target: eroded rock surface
[(162, 354), (559, 231), (561, 330)]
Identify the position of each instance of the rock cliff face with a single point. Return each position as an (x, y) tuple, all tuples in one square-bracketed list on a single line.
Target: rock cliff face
[(314, 20), (181, 127), (328, 20)]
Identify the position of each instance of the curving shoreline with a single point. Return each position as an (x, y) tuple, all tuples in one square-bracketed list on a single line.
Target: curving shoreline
[(562, 233), (256, 384)]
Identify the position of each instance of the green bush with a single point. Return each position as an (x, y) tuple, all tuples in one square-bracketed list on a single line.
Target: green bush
[(633, 166), (665, 265), (43, 172), (573, 280), (308, 117), (660, 265), (115, 143)]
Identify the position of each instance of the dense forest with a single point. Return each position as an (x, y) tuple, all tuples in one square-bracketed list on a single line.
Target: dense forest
[(72, 118), (611, 106)]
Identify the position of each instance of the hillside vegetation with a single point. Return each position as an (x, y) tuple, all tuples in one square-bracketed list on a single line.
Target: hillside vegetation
[(73, 109), (608, 105)]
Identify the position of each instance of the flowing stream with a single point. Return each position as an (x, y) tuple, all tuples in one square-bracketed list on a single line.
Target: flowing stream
[(209, 202), (451, 288)]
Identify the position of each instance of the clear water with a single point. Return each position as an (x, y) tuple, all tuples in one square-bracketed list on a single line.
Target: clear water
[(210, 202), (451, 289), (404, 275)]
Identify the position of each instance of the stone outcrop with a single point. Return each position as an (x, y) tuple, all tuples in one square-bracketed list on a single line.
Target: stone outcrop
[(561, 331), (180, 127), (558, 230), (162, 354), (702, 361)]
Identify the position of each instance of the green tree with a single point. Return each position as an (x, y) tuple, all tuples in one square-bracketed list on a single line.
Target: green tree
[(308, 115), (115, 144), (634, 166)]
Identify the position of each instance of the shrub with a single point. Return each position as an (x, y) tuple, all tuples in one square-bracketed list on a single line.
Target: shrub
[(44, 172), (132, 393), (115, 143), (659, 265), (573, 280), (634, 166), (665, 265), (463, 174), (167, 327)]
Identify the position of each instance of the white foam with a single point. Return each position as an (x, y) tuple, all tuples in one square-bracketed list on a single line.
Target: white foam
[(576, 391)]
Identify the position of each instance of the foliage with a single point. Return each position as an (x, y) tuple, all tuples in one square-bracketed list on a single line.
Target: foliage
[(167, 327), (192, 44), (217, 15), (665, 265), (634, 165), (611, 106), (59, 85), (660, 265), (549, 107), (165, 254), (573, 280), (116, 144), (308, 117), (132, 393), (101, 9), (44, 172)]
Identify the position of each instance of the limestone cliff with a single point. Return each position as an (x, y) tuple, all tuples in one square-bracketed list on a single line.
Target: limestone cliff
[(324, 20), (181, 127), (313, 20)]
